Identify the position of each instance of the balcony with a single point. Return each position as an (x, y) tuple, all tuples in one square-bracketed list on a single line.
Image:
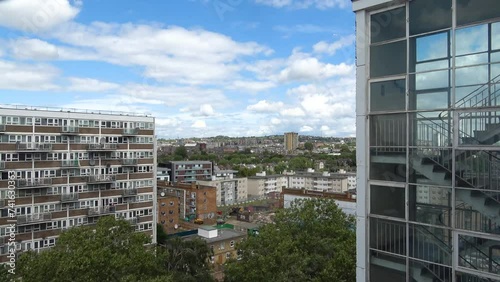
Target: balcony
[(70, 163), (66, 198), (31, 183), (102, 147), (129, 162), (97, 211), (2, 165), (33, 218), (70, 130), (132, 221), (3, 203), (2, 128), (129, 192), (98, 179), (33, 147), (130, 131)]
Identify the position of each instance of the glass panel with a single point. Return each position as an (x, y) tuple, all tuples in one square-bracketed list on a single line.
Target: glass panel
[(388, 164), (495, 36), (379, 270), (430, 129), (388, 236), (388, 25), (479, 254), (480, 128), (430, 204), (472, 60), (469, 11), (471, 75), (495, 57), (472, 40), (429, 47), (388, 201), (471, 213), (432, 100), (430, 166), (435, 272), (429, 15), (431, 80), (470, 277), (388, 95), (434, 65), (430, 244), (477, 169), (388, 59), (388, 130)]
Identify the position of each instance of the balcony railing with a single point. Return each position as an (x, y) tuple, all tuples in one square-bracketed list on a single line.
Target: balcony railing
[(129, 162), (2, 165), (69, 197), (130, 192), (100, 179), (102, 147), (33, 218), (70, 129), (2, 128), (130, 131), (28, 183), (33, 147), (132, 221), (101, 210), (70, 163)]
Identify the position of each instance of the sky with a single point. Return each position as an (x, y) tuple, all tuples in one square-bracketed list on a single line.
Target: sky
[(201, 67)]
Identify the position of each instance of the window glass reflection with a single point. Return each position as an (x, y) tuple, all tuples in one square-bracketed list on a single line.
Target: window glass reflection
[(471, 75), (388, 25), (472, 40), (469, 11), (430, 204), (387, 95), (388, 201), (431, 80), (426, 51), (429, 15), (495, 36), (388, 59)]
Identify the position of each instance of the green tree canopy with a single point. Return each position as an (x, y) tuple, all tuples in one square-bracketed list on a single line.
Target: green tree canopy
[(181, 151), (109, 251), (311, 241), (308, 146)]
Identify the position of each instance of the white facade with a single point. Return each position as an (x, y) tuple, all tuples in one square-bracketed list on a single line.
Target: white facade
[(263, 184), (321, 181), (230, 190)]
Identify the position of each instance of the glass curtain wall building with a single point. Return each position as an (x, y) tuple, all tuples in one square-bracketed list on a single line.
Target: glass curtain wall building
[(428, 140)]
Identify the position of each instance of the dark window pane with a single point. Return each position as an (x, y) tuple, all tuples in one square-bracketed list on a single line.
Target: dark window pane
[(388, 236), (388, 164), (388, 201), (388, 59), (430, 204), (388, 25), (387, 95), (469, 11), (429, 15)]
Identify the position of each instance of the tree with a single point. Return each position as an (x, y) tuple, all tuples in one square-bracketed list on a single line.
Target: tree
[(311, 241), (309, 146), (109, 251), (299, 163), (181, 151), (187, 260), (161, 236)]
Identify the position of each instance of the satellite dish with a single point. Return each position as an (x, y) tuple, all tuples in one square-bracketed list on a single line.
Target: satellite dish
[(176, 226), (162, 194)]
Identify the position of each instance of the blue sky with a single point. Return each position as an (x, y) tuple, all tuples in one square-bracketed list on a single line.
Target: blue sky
[(201, 67)]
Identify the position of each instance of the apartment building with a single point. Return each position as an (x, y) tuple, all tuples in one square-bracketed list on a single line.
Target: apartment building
[(346, 202), (230, 189), (428, 130), (163, 174), (190, 171), (351, 178), (71, 168), (291, 141), (262, 184), (318, 181), (194, 201), (169, 211)]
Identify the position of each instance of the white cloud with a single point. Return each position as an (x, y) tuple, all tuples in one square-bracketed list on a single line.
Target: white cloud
[(264, 106), (252, 86), (90, 85), (275, 121), (199, 124), (293, 112), (33, 49), (36, 15), (303, 67), (306, 128), (303, 4), (35, 77), (332, 48), (206, 110)]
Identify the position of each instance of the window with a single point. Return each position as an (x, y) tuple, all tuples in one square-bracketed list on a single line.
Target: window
[(482, 10), (163, 204), (222, 246), (388, 25), (430, 15), (388, 201), (228, 255), (388, 59), (231, 244)]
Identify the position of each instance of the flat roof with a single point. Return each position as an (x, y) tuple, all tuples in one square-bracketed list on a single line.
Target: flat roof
[(222, 235)]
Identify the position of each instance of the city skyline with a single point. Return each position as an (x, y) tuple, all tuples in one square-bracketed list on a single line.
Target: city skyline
[(271, 66)]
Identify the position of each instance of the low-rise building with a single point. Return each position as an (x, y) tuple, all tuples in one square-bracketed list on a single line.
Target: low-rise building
[(230, 190), (169, 211), (345, 201), (196, 201), (262, 184), (318, 181), (190, 171), (163, 174), (351, 179)]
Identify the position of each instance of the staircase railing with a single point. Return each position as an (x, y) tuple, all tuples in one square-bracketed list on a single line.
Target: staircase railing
[(475, 254), (478, 97)]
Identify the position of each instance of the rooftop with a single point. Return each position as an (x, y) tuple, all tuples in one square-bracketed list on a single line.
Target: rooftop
[(71, 110)]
